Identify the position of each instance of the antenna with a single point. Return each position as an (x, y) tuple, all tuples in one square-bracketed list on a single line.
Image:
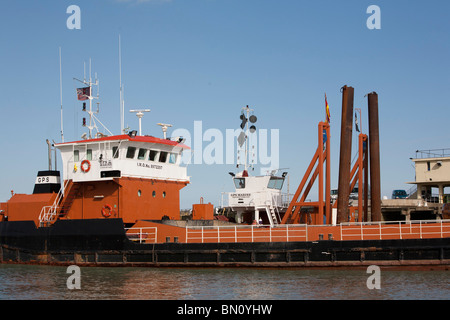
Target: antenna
[(164, 127), (140, 114), (90, 127), (123, 109), (98, 93), (121, 104), (60, 95)]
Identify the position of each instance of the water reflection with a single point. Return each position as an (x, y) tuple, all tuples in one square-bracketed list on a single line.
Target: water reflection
[(48, 282)]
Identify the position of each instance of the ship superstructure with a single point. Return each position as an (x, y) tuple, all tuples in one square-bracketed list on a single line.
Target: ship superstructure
[(257, 199), (124, 176)]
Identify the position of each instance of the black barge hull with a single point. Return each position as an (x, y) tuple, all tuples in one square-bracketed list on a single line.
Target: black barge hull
[(104, 243)]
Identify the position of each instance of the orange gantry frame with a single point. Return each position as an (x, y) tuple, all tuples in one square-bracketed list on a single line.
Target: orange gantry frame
[(322, 208)]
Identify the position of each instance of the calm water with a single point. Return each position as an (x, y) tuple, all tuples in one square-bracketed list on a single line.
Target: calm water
[(18, 282)]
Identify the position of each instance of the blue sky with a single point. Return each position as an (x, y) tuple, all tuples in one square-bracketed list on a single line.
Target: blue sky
[(190, 60)]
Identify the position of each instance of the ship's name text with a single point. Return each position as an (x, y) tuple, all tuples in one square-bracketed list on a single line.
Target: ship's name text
[(151, 166), (240, 195)]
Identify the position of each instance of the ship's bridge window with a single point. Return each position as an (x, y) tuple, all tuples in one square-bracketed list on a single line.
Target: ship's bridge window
[(173, 158), (163, 156), (239, 183), (153, 155), (130, 152), (89, 154), (141, 154), (115, 151), (76, 155), (275, 183)]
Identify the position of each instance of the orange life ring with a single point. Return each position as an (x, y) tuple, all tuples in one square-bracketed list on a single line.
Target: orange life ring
[(107, 210), (88, 166)]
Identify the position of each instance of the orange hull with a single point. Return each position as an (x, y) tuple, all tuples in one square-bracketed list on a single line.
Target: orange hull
[(131, 199)]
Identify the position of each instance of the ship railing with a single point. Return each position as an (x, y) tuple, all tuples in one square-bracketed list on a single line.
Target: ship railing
[(395, 230), (286, 199), (142, 234), (48, 213), (414, 229), (247, 233)]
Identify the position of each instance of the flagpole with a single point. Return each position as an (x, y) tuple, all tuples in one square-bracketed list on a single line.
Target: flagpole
[(360, 119)]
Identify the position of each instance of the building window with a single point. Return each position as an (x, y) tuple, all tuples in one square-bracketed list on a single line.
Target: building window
[(275, 183), (130, 152), (173, 158), (89, 154), (428, 165), (76, 155), (115, 151), (153, 155), (239, 183), (141, 154), (163, 156)]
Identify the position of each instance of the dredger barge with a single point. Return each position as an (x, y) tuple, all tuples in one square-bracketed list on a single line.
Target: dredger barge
[(117, 204)]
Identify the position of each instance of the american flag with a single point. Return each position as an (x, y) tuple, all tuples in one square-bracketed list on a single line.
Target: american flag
[(83, 93)]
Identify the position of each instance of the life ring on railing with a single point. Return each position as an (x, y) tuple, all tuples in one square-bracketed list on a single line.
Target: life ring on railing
[(83, 168), (107, 210)]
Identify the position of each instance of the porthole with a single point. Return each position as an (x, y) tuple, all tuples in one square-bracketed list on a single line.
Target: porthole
[(164, 194), (154, 194), (139, 193)]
